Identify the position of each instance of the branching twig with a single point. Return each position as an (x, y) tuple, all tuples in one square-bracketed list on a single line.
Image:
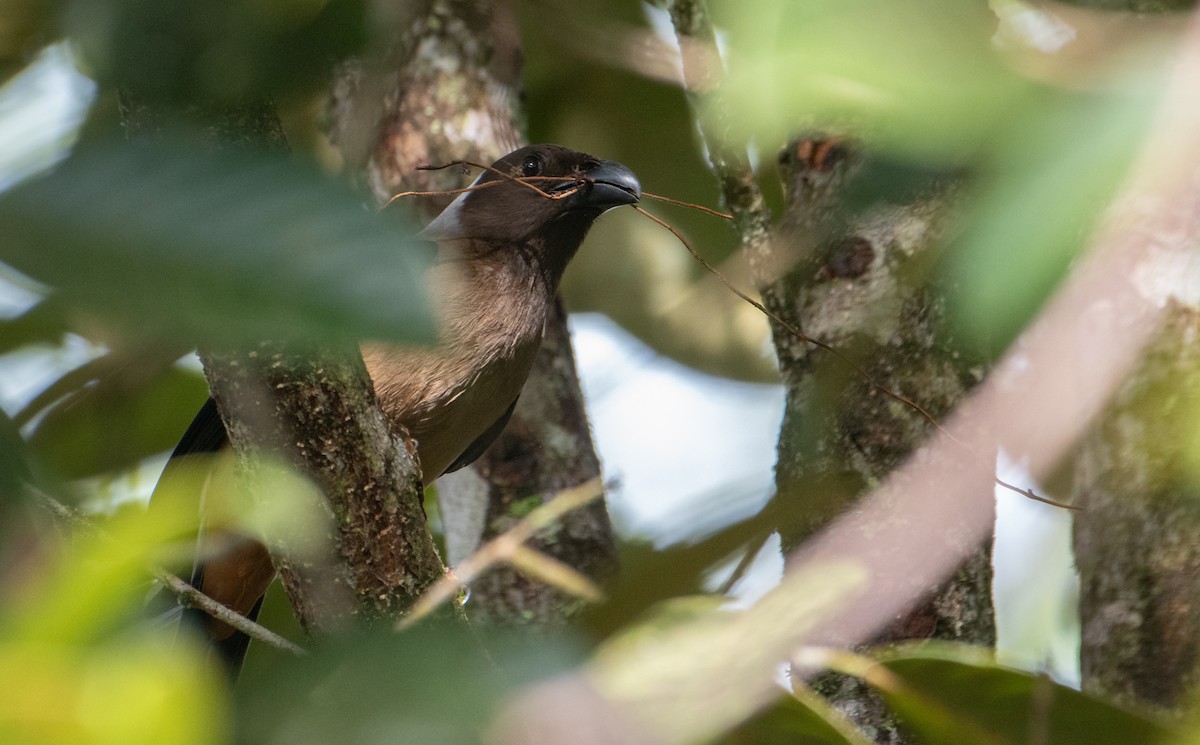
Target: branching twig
[(509, 546)]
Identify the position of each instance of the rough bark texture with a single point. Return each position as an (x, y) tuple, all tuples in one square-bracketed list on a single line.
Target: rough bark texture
[(449, 91), (857, 283), (1137, 541), (316, 411)]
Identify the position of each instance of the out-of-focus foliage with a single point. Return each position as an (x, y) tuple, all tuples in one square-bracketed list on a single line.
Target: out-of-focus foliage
[(43, 323), (924, 82), (1045, 185), (14, 461), (213, 51), (169, 244), (75, 435), (160, 247), (807, 720), (430, 685), (262, 497), (77, 665), (600, 78), (951, 695), (917, 76), (687, 670), (25, 27)]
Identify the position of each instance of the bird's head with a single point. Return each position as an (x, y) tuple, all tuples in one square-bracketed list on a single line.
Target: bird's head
[(539, 193)]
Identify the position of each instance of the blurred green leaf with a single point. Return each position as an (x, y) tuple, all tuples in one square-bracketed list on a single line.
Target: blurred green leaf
[(215, 248), (98, 584), (430, 685), (25, 27), (116, 423), (915, 76), (261, 498), (86, 673), (1016, 707), (1044, 188), (44, 323), (144, 690), (811, 721), (184, 51), (14, 459), (693, 672)]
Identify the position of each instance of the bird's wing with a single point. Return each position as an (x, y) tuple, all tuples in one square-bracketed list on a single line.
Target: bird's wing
[(481, 443), (205, 435), (237, 577)]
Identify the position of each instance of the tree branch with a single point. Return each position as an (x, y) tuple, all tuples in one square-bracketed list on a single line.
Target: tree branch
[(187, 594), (702, 75)]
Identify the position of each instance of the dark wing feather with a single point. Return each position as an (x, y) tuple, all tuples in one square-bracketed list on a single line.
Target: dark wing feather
[(206, 435), (481, 443)]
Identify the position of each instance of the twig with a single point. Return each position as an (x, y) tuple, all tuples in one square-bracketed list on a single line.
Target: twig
[(446, 193), (744, 564), (508, 545), (522, 180), (192, 597), (188, 595), (681, 203)]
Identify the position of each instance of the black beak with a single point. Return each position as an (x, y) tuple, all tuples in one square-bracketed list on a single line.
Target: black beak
[(608, 184)]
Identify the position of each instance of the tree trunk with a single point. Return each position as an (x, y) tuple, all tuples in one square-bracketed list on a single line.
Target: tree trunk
[(1137, 541), (1137, 538), (859, 283)]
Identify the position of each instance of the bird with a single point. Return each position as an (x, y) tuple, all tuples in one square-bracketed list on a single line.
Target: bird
[(501, 249)]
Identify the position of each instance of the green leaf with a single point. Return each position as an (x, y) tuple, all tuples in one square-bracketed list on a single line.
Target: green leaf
[(201, 52), (1015, 707), (809, 721), (119, 421), (88, 674), (215, 248), (433, 686), (98, 585), (693, 672), (145, 690), (28, 26), (1044, 188), (917, 76), (14, 460), (44, 323)]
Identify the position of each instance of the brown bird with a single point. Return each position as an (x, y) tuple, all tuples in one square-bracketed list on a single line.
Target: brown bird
[(501, 251)]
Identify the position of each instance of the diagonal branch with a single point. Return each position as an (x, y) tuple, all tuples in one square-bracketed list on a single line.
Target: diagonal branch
[(188, 595)]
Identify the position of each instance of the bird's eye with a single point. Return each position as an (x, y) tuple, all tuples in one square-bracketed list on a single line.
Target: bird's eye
[(531, 166)]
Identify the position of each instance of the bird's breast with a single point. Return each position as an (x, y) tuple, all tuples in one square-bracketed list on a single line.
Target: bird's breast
[(490, 328)]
